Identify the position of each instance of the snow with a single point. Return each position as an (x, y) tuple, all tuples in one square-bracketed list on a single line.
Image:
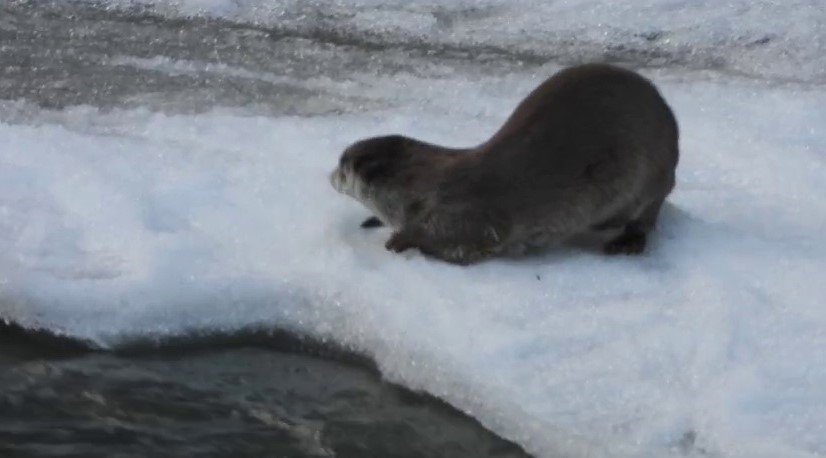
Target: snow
[(131, 223)]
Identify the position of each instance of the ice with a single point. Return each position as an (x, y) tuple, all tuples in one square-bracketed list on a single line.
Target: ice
[(131, 223), (764, 38)]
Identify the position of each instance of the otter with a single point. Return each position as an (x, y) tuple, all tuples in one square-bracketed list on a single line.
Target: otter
[(594, 147)]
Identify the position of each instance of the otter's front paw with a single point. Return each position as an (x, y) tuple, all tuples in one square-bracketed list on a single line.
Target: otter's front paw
[(399, 242), (372, 222)]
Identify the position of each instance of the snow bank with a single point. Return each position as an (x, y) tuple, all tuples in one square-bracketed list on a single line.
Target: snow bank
[(132, 223)]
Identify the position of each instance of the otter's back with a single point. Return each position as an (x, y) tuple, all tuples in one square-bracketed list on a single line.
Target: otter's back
[(592, 125)]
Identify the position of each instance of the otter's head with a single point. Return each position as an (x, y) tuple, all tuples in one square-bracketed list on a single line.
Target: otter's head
[(387, 174)]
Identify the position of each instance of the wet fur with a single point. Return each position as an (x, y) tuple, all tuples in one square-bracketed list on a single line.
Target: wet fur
[(592, 148)]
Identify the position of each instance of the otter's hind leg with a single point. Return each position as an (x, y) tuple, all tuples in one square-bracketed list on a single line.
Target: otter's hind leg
[(633, 238)]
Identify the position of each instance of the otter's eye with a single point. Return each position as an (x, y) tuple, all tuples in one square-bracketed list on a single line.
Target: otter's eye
[(365, 160), (376, 170)]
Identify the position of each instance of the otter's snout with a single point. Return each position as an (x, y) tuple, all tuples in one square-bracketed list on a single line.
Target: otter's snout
[(345, 181), (336, 179), (342, 181)]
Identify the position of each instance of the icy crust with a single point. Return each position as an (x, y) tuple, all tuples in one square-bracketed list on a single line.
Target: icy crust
[(132, 224), (781, 40)]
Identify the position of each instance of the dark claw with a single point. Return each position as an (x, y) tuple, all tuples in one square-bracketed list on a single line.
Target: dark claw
[(372, 222)]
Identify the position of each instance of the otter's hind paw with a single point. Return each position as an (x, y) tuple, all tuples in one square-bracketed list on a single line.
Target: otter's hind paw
[(627, 243)]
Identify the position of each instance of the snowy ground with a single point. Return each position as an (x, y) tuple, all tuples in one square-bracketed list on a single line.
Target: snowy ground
[(126, 222)]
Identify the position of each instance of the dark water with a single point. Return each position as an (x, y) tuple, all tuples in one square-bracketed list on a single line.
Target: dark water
[(251, 396)]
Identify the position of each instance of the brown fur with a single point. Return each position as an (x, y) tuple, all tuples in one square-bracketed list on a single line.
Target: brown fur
[(593, 147)]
